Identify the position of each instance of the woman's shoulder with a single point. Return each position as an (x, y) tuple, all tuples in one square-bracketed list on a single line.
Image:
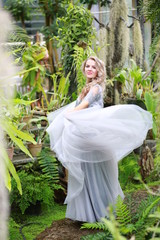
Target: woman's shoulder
[(96, 88)]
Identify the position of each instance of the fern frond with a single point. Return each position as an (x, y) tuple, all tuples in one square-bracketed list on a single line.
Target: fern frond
[(148, 210), (144, 205), (17, 40), (98, 236), (18, 34), (112, 226), (96, 225), (49, 166), (144, 221), (123, 216), (78, 58)]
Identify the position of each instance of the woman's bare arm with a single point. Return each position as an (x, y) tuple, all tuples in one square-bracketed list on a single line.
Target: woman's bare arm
[(84, 104)]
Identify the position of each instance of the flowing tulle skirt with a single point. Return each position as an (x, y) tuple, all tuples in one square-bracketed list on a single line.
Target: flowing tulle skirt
[(89, 143)]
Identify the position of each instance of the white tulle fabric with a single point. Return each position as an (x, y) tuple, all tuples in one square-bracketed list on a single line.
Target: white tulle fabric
[(89, 143)]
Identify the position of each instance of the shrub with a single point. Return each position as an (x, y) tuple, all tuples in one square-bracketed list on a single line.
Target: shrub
[(128, 171), (35, 189)]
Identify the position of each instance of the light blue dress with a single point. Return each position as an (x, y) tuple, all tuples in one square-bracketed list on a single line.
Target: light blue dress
[(89, 143)]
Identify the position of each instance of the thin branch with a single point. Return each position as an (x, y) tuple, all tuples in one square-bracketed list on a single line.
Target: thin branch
[(126, 23), (130, 25), (133, 17), (153, 64), (101, 24), (106, 26)]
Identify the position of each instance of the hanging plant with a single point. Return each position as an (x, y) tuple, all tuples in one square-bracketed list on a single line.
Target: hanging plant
[(138, 43), (118, 35), (103, 46)]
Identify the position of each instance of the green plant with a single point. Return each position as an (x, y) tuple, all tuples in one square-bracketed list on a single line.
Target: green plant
[(49, 167), (22, 103), (17, 41), (98, 236), (81, 54), (35, 189), (143, 221), (132, 81), (13, 229), (151, 103), (151, 9), (10, 125), (129, 170), (52, 10), (124, 225), (75, 26), (108, 226), (20, 10), (39, 131), (33, 58), (59, 96), (155, 229), (40, 222)]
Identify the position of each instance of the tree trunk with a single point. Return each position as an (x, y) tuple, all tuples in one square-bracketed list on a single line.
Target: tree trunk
[(22, 21)]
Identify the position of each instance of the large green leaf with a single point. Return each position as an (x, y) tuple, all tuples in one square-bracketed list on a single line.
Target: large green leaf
[(12, 170), (154, 129), (22, 102), (16, 136), (20, 144), (40, 56), (32, 77), (11, 129), (148, 101)]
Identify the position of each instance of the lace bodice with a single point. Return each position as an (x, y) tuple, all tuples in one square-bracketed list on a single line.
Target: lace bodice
[(94, 97)]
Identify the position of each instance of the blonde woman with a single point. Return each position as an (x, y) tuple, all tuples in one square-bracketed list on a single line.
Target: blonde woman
[(89, 140)]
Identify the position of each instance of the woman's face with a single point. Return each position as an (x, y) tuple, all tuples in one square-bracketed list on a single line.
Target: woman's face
[(90, 69)]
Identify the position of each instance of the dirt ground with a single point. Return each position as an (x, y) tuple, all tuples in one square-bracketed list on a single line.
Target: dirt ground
[(64, 229), (67, 229)]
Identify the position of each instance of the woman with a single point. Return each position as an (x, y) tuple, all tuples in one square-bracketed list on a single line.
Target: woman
[(89, 140)]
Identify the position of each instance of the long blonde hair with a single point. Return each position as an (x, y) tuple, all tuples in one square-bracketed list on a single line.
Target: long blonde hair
[(100, 78)]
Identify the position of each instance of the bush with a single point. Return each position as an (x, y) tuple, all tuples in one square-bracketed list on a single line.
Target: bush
[(129, 171), (35, 189)]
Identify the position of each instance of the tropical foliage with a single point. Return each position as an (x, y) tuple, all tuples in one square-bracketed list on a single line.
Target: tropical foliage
[(20, 9), (79, 56), (123, 225), (35, 189), (75, 27)]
